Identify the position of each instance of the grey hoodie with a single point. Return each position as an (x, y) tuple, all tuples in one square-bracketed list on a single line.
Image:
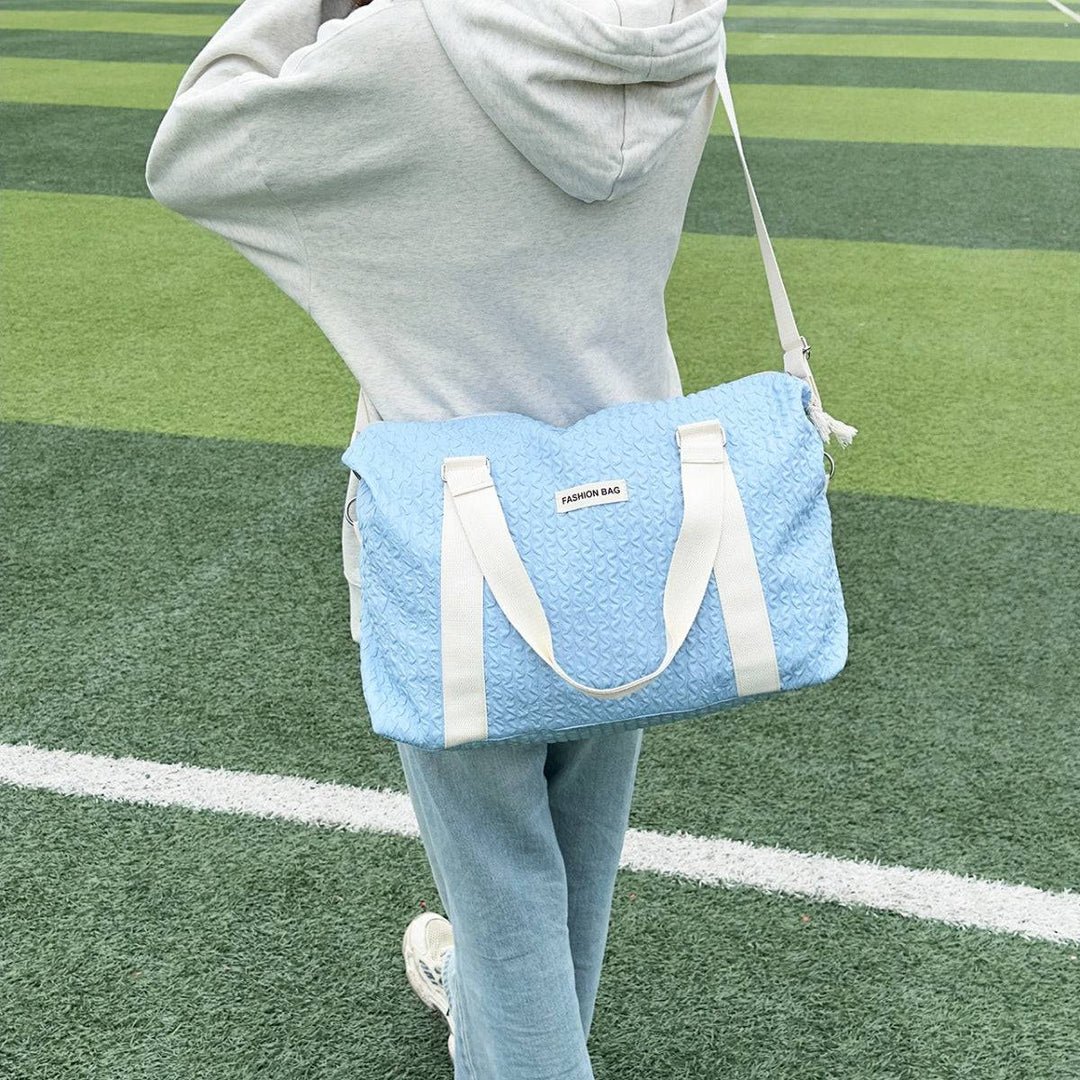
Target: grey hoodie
[(477, 201)]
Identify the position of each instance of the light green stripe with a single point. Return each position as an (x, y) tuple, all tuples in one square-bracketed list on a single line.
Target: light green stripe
[(855, 114), (941, 356), (90, 82), (111, 22), (959, 3), (186, 336), (220, 2), (910, 45), (861, 114), (883, 3), (922, 14), (948, 360)]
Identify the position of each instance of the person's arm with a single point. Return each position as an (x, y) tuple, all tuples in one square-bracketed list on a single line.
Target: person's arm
[(205, 161)]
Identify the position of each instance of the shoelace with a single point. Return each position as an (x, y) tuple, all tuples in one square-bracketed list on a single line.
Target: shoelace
[(432, 971)]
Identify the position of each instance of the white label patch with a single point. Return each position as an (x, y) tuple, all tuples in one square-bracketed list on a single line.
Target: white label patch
[(603, 491)]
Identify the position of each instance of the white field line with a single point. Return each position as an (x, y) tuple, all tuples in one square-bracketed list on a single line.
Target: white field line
[(1064, 10), (924, 894)]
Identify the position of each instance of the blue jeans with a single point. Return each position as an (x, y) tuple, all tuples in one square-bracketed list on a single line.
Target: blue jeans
[(524, 841)]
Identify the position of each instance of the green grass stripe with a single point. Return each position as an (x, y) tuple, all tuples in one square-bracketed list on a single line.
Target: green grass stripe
[(1026, 13), (925, 46), (106, 83), (1014, 76), (232, 7), (173, 945), (929, 13), (872, 310), (952, 195), (225, 7), (59, 45), (180, 599), (110, 22), (174, 307), (787, 112), (77, 148), (158, 7), (1017, 76), (178, 48), (860, 114), (149, 7), (963, 196), (1063, 29), (182, 945), (990, 5), (943, 357)]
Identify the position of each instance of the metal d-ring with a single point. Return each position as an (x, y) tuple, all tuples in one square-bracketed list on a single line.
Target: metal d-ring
[(832, 465), (348, 518)]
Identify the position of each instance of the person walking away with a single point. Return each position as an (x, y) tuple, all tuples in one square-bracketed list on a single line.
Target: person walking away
[(478, 202)]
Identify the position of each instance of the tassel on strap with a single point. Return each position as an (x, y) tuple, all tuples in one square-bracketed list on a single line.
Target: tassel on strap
[(827, 426)]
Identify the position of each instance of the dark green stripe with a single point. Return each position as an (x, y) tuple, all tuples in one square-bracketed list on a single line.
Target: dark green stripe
[(163, 8), (1047, 77), (182, 599), (963, 196), (966, 5), (77, 148), (1016, 76), (964, 622), (148, 48), (151, 580), (960, 74), (157, 943), (1065, 28), (145, 942), (989, 6)]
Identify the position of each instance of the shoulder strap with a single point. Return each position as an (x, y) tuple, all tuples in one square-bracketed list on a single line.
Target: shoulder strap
[(795, 347)]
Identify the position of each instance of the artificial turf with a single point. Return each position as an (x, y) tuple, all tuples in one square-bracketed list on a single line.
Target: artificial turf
[(962, 196), (123, 314), (101, 45), (822, 112), (958, 196), (910, 116), (811, 55), (917, 345), (181, 599), (961, 12), (200, 25), (1015, 76), (931, 23), (151, 943), (171, 492), (899, 40)]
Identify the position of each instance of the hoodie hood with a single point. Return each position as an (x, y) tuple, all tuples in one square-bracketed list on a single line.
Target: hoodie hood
[(591, 92)]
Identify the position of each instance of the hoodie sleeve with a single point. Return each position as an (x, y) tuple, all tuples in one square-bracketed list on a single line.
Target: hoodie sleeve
[(204, 161)]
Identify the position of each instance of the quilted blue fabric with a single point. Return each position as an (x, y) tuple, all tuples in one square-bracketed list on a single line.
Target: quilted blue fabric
[(599, 571)]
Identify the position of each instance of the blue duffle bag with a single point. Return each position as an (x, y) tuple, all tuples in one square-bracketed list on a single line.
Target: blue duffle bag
[(652, 562)]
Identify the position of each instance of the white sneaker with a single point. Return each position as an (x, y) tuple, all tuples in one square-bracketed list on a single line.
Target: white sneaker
[(424, 946)]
